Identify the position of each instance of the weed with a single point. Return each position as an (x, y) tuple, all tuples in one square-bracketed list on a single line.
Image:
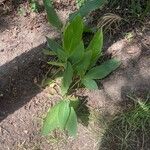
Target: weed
[(130, 129), (136, 8), (34, 5), (22, 11), (129, 36)]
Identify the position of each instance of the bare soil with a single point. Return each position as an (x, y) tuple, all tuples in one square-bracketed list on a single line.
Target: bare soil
[(23, 103)]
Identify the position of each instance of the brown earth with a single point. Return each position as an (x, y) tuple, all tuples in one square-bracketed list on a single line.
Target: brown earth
[(23, 103)]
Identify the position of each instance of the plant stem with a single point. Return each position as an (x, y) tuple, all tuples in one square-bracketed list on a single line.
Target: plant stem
[(56, 73), (75, 84)]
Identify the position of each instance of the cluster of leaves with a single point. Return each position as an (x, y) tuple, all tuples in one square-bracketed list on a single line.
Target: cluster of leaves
[(77, 62), (77, 65), (87, 7), (34, 6), (61, 116)]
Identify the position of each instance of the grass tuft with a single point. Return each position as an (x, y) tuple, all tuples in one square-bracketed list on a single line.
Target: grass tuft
[(129, 130)]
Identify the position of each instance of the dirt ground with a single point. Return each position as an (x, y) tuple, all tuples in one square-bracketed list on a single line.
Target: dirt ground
[(23, 103)]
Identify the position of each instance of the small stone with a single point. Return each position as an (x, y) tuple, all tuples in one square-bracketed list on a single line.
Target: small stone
[(2, 50), (25, 131), (35, 80), (1, 94)]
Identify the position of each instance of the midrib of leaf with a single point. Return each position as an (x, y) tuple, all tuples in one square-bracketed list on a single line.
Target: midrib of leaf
[(67, 118)]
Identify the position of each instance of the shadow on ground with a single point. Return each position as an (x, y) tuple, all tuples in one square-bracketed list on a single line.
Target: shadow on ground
[(19, 80), (120, 134), (117, 135), (9, 9)]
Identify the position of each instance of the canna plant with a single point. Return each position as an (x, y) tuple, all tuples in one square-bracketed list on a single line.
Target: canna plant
[(77, 65), (87, 7)]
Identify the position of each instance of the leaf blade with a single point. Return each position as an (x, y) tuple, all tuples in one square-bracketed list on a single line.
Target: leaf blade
[(71, 125), (95, 46), (56, 48), (77, 54), (52, 44), (83, 65), (52, 15), (63, 114), (72, 34), (100, 72), (51, 120), (67, 78), (89, 84)]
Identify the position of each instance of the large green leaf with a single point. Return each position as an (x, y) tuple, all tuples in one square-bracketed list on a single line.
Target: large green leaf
[(71, 125), (56, 48), (77, 54), (95, 46), (87, 7), (89, 84), (100, 72), (83, 65), (67, 78), (51, 121), (73, 34), (51, 14), (63, 113)]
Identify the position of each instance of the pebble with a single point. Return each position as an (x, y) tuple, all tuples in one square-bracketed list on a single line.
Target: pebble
[(2, 50)]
